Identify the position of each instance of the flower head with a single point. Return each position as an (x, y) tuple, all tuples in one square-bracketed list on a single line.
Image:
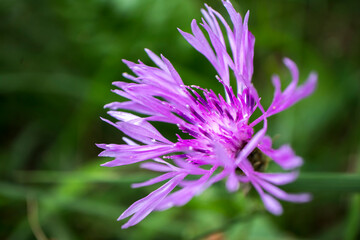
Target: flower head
[(222, 143)]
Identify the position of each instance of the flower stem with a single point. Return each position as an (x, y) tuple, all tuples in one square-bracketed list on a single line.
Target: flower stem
[(327, 182)]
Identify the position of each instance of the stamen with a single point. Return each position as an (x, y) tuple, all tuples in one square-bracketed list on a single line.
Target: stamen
[(205, 133), (217, 106), (196, 114), (229, 115), (201, 100), (184, 116), (201, 150), (189, 131)]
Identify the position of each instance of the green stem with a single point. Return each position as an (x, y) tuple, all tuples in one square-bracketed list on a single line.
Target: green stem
[(327, 182), (310, 182)]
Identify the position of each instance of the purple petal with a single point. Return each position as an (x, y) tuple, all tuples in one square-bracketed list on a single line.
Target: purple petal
[(292, 94), (270, 203), (284, 156), (173, 72), (200, 43), (295, 76), (277, 192), (126, 154), (123, 116), (156, 59), (252, 144), (145, 133), (279, 178), (232, 183), (132, 106), (146, 205), (158, 167), (222, 155), (305, 90), (155, 180), (184, 195)]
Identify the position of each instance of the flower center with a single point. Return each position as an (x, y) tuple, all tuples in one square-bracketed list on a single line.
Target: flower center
[(211, 120), (258, 160)]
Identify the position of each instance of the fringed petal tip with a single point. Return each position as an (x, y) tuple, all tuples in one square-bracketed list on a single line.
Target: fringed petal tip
[(107, 164), (303, 198), (112, 106), (124, 226), (288, 62), (284, 156), (104, 119), (101, 145), (272, 205), (121, 217), (290, 163), (232, 183), (246, 18), (127, 62), (312, 81), (279, 178)]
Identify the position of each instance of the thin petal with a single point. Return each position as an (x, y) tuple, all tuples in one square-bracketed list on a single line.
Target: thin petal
[(277, 192), (157, 179), (284, 156), (146, 205), (158, 167), (157, 60), (252, 144), (270, 203), (232, 183), (125, 156), (279, 178)]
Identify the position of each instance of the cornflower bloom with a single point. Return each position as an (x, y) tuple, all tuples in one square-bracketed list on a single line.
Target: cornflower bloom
[(222, 143)]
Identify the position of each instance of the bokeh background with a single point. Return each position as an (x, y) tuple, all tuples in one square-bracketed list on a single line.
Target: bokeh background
[(58, 60)]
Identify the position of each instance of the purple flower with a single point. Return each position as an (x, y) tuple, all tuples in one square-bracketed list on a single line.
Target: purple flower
[(221, 142)]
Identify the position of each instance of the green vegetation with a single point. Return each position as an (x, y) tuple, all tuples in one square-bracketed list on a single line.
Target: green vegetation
[(58, 59)]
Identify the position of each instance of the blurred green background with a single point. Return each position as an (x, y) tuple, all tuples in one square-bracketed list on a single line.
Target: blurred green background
[(58, 60)]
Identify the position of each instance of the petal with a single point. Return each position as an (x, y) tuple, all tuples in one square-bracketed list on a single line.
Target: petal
[(145, 133), (279, 178), (129, 105), (156, 59), (232, 183), (277, 192), (292, 94), (270, 203), (213, 23), (158, 167), (146, 205), (284, 156), (123, 116), (155, 180), (304, 90), (294, 74), (200, 45), (252, 144), (183, 196), (175, 76), (222, 156), (133, 154)]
